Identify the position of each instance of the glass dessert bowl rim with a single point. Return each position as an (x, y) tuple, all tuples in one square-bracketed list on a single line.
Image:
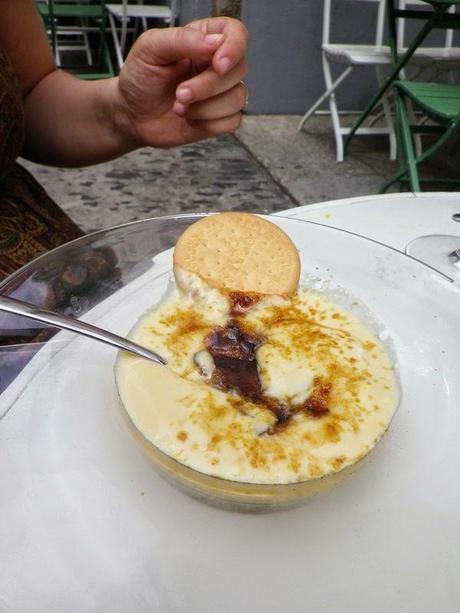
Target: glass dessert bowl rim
[(131, 224)]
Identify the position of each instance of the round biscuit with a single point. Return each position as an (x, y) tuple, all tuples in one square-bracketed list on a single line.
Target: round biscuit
[(239, 252)]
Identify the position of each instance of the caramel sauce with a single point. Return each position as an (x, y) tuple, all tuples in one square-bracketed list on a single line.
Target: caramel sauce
[(234, 353), (317, 403), (240, 303)]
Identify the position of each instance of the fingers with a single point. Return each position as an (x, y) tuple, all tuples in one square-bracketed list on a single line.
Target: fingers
[(205, 129), (234, 43), (224, 105), (211, 101), (167, 45), (233, 47), (209, 83)]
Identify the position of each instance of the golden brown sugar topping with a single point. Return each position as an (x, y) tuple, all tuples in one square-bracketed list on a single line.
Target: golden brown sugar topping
[(293, 331)]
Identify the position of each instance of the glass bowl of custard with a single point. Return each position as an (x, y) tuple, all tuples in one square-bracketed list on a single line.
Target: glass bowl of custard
[(266, 400)]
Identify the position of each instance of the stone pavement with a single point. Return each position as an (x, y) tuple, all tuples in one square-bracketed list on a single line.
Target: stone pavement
[(268, 166)]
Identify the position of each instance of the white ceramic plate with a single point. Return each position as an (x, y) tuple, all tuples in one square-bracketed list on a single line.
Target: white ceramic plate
[(86, 524)]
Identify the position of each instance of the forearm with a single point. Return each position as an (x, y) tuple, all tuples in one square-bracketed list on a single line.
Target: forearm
[(157, 100), (70, 122)]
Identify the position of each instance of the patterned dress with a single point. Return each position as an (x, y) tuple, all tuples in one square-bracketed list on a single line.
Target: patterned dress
[(30, 222)]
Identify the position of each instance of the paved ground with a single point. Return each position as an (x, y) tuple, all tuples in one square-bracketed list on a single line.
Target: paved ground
[(268, 166)]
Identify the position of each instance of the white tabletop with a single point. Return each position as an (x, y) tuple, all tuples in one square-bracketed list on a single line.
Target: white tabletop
[(392, 219), (132, 542)]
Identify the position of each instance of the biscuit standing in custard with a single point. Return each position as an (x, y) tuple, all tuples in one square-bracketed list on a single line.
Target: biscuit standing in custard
[(239, 252)]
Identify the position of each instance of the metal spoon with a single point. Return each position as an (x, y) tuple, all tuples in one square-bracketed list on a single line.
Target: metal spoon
[(31, 311)]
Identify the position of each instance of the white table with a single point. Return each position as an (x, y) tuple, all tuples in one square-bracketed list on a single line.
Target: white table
[(392, 219), (180, 551), (395, 220)]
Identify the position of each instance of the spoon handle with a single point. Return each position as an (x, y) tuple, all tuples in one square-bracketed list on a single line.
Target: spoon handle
[(31, 311)]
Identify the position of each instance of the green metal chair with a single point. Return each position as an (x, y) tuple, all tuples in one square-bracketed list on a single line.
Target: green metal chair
[(438, 102), (90, 18)]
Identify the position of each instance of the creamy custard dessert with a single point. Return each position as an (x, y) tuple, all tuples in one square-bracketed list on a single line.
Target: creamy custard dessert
[(259, 389)]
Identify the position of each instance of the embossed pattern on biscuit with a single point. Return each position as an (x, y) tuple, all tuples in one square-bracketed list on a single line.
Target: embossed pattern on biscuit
[(239, 252)]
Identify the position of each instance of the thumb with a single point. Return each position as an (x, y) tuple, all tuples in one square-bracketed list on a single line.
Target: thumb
[(168, 45)]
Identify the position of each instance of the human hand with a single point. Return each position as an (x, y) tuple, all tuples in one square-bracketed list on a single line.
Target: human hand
[(181, 85)]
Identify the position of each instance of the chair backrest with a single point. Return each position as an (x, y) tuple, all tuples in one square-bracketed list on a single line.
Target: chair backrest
[(173, 6), (449, 36), (380, 24)]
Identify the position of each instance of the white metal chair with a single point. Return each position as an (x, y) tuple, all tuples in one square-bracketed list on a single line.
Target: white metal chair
[(352, 56), (124, 12), (442, 58)]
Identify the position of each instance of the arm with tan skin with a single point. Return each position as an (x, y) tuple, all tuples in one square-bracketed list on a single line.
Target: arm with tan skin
[(178, 85)]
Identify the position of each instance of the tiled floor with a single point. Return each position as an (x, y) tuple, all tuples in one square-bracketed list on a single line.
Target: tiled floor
[(268, 166)]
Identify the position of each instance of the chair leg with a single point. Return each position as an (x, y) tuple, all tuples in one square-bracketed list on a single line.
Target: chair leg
[(174, 6), (390, 125), (55, 42), (116, 42), (387, 114), (404, 169), (410, 109), (57, 54), (89, 56), (417, 138), (401, 161), (406, 138), (323, 97), (400, 175), (334, 111), (124, 33)]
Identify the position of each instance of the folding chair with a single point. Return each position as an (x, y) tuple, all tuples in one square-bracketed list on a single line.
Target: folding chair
[(64, 40), (125, 12), (67, 18), (442, 58), (438, 102), (353, 56)]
